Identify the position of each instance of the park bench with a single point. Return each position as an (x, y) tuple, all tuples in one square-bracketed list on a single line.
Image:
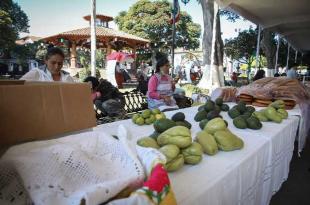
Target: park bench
[(135, 102)]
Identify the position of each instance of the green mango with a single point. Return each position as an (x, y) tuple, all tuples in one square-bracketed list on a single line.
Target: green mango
[(207, 142), (271, 114), (214, 125), (283, 113), (193, 153), (171, 151), (148, 142), (178, 135), (227, 141), (260, 115), (175, 164)]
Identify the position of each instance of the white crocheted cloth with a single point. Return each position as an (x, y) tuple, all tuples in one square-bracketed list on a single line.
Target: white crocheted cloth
[(90, 166)]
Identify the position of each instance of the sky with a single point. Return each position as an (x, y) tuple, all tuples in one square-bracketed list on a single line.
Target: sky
[(48, 17)]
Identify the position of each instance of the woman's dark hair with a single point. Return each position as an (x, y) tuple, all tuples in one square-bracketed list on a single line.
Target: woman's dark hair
[(283, 74), (94, 81), (54, 51), (276, 75), (161, 62), (259, 74)]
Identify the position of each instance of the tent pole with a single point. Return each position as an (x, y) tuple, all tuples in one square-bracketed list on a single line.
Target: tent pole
[(277, 54), (288, 55), (173, 38), (93, 38), (257, 46), (296, 54)]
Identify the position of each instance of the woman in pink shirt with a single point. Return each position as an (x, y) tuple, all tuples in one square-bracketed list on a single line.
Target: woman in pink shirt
[(161, 86)]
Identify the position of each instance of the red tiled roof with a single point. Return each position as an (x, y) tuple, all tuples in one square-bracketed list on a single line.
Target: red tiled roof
[(99, 16)]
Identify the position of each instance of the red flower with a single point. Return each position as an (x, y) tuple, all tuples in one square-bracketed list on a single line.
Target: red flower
[(158, 179)]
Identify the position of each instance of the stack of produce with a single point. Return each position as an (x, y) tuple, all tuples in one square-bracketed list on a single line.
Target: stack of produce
[(243, 118), (216, 136), (248, 99), (289, 104), (211, 110), (176, 144), (147, 117), (262, 102), (274, 112)]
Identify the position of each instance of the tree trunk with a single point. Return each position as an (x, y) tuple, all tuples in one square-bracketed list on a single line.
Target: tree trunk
[(269, 49), (213, 75)]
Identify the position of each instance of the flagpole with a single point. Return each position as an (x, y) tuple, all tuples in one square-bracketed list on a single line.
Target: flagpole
[(173, 38), (93, 38)]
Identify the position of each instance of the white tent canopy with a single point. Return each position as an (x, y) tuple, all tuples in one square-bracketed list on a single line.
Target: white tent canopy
[(288, 18)]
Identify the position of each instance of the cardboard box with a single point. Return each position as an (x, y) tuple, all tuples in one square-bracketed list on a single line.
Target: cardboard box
[(42, 110)]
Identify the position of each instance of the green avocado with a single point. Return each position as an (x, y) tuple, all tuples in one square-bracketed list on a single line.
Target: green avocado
[(184, 123), (202, 107), (241, 107), (179, 116), (225, 107), (250, 109), (253, 123), (154, 135), (200, 115), (162, 125), (209, 106), (217, 108), (219, 101), (203, 123), (240, 122), (212, 114), (233, 113)]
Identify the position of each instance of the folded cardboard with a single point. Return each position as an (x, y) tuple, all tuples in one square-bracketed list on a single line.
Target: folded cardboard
[(41, 110)]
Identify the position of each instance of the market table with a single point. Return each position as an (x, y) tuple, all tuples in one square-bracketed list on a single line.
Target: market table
[(248, 176)]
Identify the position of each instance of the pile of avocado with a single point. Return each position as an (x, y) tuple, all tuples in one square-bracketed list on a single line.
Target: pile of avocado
[(148, 117), (243, 117), (274, 112), (210, 110)]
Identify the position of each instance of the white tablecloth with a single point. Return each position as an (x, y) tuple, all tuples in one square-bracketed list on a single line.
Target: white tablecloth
[(248, 176)]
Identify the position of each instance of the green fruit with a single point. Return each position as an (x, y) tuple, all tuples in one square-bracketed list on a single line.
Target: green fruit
[(135, 117), (154, 135), (250, 109), (227, 141), (278, 104), (184, 123), (203, 123), (152, 118), (271, 114), (140, 121), (162, 125), (241, 107), (170, 151), (148, 142), (156, 111), (207, 142), (179, 116), (283, 113), (214, 125), (253, 123), (202, 107), (240, 122), (193, 153), (233, 113), (148, 121), (219, 101), (178, 135), (246, 115), (200, 115), (175, 164), (226, 123), (212, 114), (225, 107), (217, 108), (146, 113), (260, 115), (209, 106)]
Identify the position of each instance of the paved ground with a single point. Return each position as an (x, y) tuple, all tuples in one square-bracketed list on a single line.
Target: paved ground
[(296, 190)]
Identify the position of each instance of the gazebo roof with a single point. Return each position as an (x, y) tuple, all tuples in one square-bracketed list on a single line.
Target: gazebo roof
[(102, 34), (100, 16)]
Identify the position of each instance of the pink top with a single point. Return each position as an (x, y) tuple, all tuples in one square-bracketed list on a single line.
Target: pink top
[(152, 86), (95, 95)]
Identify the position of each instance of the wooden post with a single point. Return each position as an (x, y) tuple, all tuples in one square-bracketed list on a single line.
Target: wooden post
[(73, 55), (109, 49)]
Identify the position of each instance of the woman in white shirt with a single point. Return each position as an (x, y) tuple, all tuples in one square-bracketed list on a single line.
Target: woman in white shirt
[(51, 71)]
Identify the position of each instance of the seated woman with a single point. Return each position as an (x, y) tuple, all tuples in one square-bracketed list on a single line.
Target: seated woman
[(94, 82), (259, 74), (161, 87), (51, 70)]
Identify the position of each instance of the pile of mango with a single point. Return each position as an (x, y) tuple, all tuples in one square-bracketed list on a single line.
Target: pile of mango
[(274, 112), (211, 110), (175, 141), (147, 117), (243, 117)]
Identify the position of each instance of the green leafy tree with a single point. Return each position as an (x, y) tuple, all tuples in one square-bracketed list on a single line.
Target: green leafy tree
[(12, 21), (151, 20)]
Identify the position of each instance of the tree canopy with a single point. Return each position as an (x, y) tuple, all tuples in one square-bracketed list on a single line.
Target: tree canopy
[(151, 20), (12, 21)]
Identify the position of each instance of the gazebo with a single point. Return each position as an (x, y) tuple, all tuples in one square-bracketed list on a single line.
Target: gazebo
[(106, 38)]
